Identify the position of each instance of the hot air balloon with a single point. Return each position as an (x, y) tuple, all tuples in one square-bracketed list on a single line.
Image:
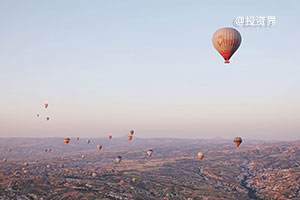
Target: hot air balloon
[(37, 115), (25, 171), (77, 138), (133, 180), (237, 141), (200, 155), (83, 157), (88, 141), (46, 105), (122, 181), (130, 137), (46, 150), (67, 140), (94, 174), (99, 147), (110, 137), (48, 118), (149, 152), (226, 41), (25, 164), (9, 149), (4, 159), (48, 166), (118, 159), (131, 132), (50, 150)]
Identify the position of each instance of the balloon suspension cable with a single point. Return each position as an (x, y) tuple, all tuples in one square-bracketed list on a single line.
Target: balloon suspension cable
[(227, 61)]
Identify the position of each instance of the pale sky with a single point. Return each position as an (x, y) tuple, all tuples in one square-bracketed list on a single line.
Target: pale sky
[(106, 67)]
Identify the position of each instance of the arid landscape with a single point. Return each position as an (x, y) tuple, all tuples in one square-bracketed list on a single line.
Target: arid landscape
[(255, 170)]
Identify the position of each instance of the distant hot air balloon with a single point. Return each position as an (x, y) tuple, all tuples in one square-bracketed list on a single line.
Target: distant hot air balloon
[(25, 171), (118, 159), (131, 132), (46, 105), (88, 141), (25, 164), (48, 166), (200, 155), (67, 140), (83, 157), (237, 141), (77, 138), (99, 147), (94, 174), (37, 115), (46, 150), (110, 137), (48, 118), (149, 152), (226, 41), (122, 181), (9, 149), (4, 159), (130, 137), (133, 180)]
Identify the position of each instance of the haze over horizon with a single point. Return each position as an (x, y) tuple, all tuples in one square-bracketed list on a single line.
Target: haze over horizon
[(106, 67)]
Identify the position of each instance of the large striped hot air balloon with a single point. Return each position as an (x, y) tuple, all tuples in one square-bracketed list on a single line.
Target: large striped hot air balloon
[(226, 41)]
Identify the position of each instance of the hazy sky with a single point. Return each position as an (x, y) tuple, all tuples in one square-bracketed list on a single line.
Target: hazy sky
[(109, 66)]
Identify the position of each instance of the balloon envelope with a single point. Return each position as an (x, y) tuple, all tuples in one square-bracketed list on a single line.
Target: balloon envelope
[(226, 41), (200, 155), (118, 159), (149, 152), (131, 132), (67, 140), (237, 141)]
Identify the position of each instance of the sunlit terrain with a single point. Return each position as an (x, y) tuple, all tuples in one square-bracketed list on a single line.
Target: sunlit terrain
[(255, 170)]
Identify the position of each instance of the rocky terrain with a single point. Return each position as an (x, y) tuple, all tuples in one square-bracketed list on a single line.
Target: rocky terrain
[(255, 170)]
